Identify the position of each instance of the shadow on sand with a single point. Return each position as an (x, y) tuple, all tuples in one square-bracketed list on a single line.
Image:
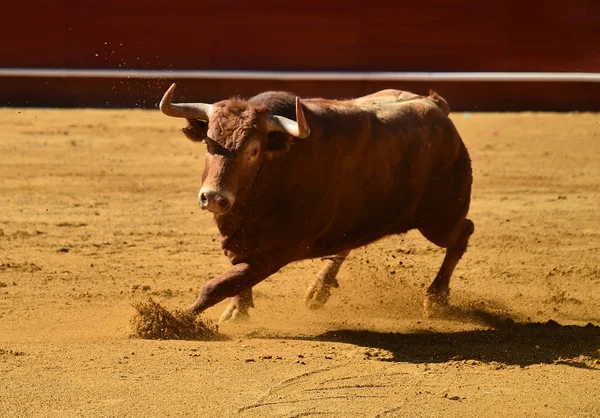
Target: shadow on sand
[(507, 342)]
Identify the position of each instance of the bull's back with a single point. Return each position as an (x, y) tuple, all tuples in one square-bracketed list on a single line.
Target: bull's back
[(385, 97), (381, 175)]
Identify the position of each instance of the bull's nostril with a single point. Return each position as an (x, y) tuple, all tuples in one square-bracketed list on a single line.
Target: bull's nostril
[(213, 201), (203, 201)]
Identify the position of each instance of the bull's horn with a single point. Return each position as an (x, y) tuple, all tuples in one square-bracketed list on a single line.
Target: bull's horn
[(200, 111), (298, 129)]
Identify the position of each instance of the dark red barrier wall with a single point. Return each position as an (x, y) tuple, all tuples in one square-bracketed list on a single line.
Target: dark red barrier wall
[(438, 35)]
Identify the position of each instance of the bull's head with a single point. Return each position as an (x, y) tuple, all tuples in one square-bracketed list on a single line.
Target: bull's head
[(239, 136)]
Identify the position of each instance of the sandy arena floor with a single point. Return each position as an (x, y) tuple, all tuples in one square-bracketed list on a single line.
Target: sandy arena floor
[(98, 209)]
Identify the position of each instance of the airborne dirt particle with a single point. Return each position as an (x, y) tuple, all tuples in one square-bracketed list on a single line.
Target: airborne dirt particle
[(154, 322)]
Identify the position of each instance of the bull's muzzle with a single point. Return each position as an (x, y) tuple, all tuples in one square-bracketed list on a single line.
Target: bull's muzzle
[(214, 202)]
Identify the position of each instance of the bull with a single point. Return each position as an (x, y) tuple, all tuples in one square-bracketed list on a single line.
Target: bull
[(289, 179)]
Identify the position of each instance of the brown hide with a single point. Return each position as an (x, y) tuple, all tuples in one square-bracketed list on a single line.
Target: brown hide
[(377, 165)]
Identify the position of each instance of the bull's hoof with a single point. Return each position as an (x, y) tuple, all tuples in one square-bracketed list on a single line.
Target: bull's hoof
[(234, 315), (317, 295), (436, 304)]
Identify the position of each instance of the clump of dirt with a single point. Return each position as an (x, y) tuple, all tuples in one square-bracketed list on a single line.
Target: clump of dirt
[(11, 352), (154, 322), (25, 267)]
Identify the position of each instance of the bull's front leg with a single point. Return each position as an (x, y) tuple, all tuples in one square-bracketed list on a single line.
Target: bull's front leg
[(237, 282), (319, 291)]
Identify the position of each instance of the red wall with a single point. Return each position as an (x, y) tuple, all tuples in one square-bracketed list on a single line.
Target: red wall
[(438, 35)]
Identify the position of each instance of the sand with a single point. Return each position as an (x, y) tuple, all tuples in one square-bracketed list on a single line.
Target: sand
[(98, 212)]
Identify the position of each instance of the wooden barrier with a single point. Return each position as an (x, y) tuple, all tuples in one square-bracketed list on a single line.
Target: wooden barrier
[(311, 35)]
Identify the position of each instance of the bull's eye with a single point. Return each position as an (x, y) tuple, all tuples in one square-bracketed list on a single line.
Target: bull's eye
[(254, 152)]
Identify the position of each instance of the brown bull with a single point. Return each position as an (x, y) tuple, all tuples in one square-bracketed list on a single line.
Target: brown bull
[(289, 180)]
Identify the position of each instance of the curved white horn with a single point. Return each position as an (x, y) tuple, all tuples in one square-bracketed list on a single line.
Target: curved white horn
[(298, 129), (200, 111)]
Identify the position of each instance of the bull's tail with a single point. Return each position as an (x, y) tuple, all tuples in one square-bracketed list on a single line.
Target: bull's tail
[(439, 101)]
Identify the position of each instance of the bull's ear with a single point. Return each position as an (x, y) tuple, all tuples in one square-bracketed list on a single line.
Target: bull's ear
[(196, 130), (278, 143)]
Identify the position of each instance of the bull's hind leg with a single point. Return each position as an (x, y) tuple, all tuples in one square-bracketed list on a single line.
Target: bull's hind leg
[(237, 310), (456, 245), (319, 291)]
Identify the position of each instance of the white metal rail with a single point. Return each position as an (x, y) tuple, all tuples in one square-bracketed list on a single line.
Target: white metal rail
[(304, 76)]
